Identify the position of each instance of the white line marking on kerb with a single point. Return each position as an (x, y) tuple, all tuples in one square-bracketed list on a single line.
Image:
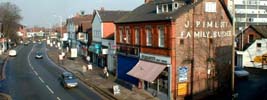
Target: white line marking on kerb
[(58, 98), (49, 89), (41, 79)]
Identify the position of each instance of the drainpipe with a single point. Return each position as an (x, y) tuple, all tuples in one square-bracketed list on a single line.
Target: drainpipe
[(169, 82)]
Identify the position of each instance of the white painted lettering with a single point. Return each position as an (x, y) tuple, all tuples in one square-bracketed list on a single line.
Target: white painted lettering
[(186, 25), (209, 24)]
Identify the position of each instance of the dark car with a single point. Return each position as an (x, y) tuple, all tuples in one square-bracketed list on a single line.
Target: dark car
[(68, 80), (39, 55)]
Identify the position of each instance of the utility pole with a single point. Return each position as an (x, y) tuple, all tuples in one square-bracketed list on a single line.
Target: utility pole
[(233, 52)]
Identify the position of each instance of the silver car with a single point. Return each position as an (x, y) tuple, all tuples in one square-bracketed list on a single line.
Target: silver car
[(241, 72), (68, 80)]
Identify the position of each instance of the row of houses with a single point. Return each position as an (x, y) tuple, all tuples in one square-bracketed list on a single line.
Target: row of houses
[(174, 48)]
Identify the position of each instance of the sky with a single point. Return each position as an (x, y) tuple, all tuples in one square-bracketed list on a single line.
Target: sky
[(46, 13)]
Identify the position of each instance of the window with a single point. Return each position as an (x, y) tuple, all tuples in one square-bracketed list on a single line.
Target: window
[(169, 7), (250, 38), (128, 35), (181, 41), (137, 35), (121, 35), (148, 36), (164, 8), (210, 7), (258, 45), (176, 5), (211, 41), (161, 36), (159, 10)]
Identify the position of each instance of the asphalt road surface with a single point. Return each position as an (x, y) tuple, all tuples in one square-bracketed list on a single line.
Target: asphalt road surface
[(37, 79)]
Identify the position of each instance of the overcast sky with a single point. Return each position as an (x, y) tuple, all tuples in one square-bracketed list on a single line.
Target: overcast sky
[(44, 12)]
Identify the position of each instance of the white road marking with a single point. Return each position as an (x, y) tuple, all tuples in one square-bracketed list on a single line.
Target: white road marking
[(41, 79), (58, 98), (39, 76), (49, 89), (35, 73)]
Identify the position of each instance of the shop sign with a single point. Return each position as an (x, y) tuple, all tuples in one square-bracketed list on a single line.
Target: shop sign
[(182, 89), (104, 51), (183, 71), (155, 58)]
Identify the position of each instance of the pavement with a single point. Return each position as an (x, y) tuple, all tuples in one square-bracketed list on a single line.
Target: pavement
[(96, 80), (3, 59)]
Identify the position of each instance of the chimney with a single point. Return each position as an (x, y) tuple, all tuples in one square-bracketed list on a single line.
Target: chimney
[(147, 1)]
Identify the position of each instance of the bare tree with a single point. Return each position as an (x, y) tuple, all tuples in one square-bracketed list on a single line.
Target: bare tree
[(10, 18)]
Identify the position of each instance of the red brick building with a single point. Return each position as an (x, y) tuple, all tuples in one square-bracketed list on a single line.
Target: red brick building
[(175, 49), (246, 37)]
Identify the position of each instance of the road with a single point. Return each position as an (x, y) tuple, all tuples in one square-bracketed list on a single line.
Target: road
[(255, 88), (37, 79)]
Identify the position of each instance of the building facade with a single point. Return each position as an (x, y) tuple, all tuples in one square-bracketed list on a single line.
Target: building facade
[(79, 27), (249, 12), (102, 27), (174, 49), (251, 46)]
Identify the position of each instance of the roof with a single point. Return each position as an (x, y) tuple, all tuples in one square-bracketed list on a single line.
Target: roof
[(83, 21), (80, 19), (111, 16), (261, 29), (147, 12)]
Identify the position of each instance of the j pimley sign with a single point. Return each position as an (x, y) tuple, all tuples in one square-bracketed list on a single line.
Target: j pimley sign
[(206, 29)]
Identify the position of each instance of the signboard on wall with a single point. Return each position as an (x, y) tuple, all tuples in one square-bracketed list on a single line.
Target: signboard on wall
[(181, 89), (183, 71)]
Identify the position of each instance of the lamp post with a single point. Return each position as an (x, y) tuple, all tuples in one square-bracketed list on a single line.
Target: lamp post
[(241, 29), (234, 95), (60, 17)]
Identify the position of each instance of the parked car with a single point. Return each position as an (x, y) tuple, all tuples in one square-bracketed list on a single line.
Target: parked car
[(68, 80), (241, 72), (39, 55), (12, 53)]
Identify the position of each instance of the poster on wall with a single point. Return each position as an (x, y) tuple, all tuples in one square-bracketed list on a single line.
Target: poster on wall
[(182, 89), (183, 70)]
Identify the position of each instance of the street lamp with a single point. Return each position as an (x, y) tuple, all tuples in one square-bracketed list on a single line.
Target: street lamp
[(241, 29), (60, 17)]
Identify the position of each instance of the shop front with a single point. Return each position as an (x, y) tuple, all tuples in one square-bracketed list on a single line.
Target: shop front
[(95, 50), (152, 73)]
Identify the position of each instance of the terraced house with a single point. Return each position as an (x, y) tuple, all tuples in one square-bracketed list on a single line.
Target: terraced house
[(175, 49)]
